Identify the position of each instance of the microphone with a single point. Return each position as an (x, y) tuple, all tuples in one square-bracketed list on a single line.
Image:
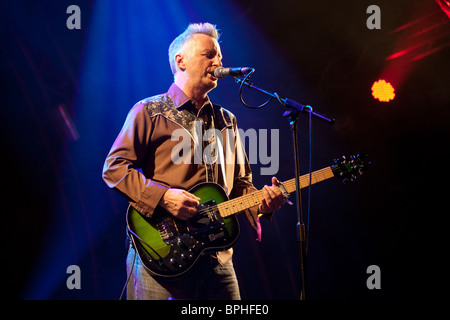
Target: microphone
[(222, 72)]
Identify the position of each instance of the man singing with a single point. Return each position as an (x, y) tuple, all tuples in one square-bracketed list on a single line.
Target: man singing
[(141, 166)]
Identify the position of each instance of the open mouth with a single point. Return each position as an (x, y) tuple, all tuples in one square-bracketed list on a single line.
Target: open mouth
[(212, 76), (210, 71)]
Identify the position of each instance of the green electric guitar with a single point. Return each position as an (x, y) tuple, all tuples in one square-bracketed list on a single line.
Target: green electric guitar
[(169, 247)]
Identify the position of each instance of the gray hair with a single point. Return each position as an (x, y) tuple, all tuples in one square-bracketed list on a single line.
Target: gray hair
[(179, 43)]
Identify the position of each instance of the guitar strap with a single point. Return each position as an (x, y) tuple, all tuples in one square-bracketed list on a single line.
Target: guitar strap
[(223, 256), (222, 163)]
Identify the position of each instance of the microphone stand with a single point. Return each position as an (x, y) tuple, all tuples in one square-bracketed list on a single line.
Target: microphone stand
[(293, 112)]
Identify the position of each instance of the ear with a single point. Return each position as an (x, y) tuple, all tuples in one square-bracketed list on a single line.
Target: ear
[(180, 61)]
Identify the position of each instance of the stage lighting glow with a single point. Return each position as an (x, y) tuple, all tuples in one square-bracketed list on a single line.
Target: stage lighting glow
[(383, 91), (445, 6)]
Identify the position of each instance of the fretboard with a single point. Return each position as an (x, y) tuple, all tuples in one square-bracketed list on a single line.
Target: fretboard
[(239, 204)]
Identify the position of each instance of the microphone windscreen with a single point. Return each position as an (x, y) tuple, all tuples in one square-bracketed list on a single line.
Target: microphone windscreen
[(219, 72)]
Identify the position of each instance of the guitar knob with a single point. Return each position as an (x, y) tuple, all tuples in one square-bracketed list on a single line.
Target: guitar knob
[(181, 244)]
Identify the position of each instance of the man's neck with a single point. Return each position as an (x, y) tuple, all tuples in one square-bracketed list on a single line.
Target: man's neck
[(191, 92)]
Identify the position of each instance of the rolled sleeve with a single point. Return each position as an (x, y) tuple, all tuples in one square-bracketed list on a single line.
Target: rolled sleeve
[(121, 169), (150, 198)]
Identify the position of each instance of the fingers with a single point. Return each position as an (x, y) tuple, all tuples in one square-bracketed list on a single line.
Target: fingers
[(191, 196), (273, 197), (188, 204), (180, 203), (275, 181)]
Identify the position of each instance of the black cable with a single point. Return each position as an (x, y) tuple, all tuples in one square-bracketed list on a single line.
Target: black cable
[(247, 82), (134, 234), (129, 276)]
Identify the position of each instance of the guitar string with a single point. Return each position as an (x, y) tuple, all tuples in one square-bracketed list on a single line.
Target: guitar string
[(236, 203), (304, 182)]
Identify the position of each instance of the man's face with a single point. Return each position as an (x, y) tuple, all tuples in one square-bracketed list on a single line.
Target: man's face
[(200, 60)]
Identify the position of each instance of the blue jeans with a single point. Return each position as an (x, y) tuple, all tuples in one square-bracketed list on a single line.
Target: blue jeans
[(207, 280)]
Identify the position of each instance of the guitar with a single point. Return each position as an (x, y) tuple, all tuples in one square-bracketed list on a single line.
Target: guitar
[(169, 247)]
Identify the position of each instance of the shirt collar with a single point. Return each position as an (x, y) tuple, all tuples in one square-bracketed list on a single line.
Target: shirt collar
[(179, 98)]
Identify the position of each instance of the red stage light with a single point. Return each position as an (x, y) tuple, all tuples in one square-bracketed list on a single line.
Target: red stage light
[(383, 91)]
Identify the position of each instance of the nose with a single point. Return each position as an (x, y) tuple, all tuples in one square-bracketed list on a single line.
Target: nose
[(217, 61)]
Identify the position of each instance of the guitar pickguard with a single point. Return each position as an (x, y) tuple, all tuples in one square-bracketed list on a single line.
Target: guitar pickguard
[(207, 220)]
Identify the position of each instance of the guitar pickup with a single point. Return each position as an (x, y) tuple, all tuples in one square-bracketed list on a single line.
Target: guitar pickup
[(206, 204), (207, 213)]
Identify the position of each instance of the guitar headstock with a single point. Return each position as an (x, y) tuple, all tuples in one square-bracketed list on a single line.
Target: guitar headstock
[(349, 168)]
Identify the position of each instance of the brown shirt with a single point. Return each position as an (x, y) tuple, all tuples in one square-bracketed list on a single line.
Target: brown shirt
[(162, 145)]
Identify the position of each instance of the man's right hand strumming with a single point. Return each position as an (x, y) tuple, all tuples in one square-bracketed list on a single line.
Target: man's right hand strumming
[(180, 203)]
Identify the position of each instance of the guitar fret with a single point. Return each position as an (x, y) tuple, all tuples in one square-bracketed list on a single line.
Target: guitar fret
[(240, 204), (234, 204), (316, 176), (229, 212), (244, 202), (289, 185), (256, 198), (224, 209)]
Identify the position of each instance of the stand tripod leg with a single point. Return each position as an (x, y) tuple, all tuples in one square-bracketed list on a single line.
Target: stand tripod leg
[(302, 240), (293, 116)]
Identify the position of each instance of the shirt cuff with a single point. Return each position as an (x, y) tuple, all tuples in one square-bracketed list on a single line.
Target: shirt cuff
[(266, 215), (150, 198)]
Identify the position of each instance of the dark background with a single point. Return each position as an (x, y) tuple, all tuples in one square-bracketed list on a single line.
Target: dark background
[(65, 95)]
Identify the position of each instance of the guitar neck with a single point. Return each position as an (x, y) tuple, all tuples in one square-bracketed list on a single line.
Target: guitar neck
[(239, 204)]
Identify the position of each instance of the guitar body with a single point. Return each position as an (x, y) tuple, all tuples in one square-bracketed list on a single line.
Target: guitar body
[(169, 247)]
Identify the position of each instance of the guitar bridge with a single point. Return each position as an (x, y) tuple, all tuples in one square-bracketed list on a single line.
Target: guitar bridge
[(206, 217), (171, 230)]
